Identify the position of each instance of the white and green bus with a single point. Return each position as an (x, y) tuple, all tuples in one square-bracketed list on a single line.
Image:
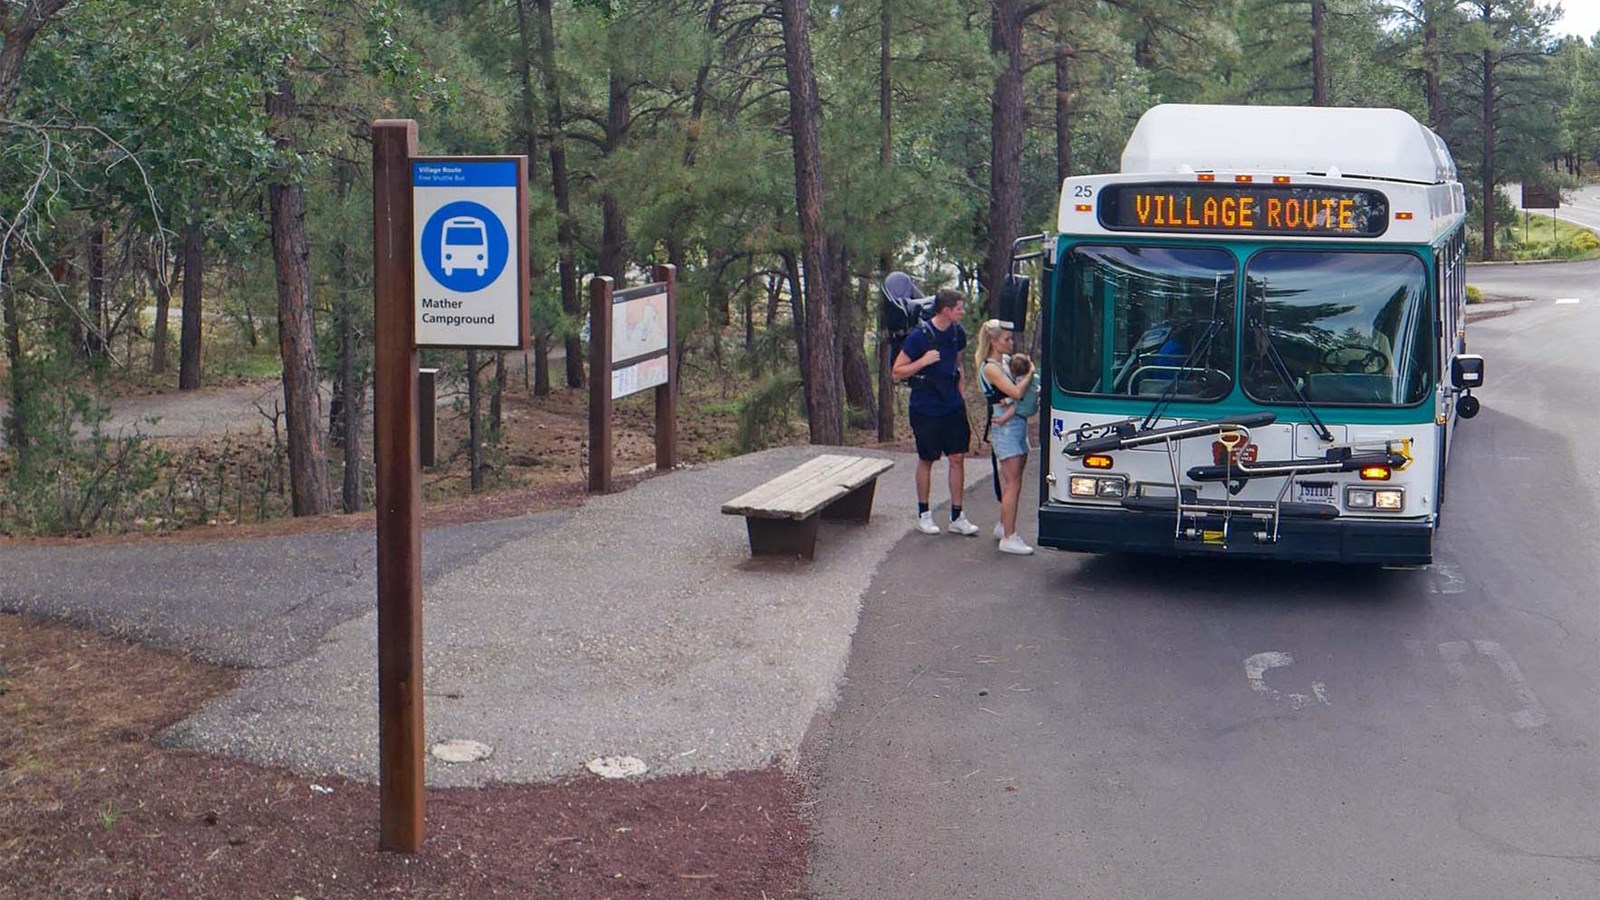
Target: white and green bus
[(1253, 339)]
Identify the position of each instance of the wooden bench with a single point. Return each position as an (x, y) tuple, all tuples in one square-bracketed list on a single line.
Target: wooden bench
[(782, 515)]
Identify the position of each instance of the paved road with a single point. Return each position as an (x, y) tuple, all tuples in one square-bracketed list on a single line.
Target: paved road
[(1580, 206), (1544, 281), (1099, 727)]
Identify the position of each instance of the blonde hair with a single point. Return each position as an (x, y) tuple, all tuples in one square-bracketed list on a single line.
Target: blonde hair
[(987, 332)]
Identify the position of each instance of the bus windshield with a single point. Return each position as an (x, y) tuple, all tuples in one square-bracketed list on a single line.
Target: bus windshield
[(1346, 327), (1147, 322)]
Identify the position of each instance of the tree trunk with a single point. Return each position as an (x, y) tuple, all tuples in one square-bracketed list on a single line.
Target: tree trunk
[(474, 435), (1005, 135), (824, 409), (1433, 86), (849, 316), (189, 333), (19, 33), (614, 234), (1319, 60), (351, 494), (748, 298), (540, 364), (16, 431), (797, 316), (308, 465), (774, 299), (351, 388), (496, 421), (885, 414), (163, 285), (94, 338), (566, 235), (1063, 59), (1486, 171), (530, 147)]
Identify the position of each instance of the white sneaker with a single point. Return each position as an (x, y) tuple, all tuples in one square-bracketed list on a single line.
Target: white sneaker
[(999, 532), (963, 525), (1014, 544), (925, 524)]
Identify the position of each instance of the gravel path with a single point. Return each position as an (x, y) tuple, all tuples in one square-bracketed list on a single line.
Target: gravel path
[(235, 408), (637, 624)]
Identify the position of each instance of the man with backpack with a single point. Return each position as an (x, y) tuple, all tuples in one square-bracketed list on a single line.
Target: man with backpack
[(930, 359)]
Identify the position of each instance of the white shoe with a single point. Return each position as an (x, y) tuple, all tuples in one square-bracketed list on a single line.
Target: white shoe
[(1014, 544), (999, 532), (925, 524), (963, 525)]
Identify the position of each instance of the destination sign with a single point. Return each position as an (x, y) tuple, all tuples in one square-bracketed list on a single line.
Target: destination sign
[(1244, 209)]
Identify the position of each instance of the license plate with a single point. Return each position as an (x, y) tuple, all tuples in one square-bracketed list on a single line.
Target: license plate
[(1316, 492)]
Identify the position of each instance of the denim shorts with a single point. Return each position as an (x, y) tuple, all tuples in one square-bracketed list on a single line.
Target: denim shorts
[(1010, 439)]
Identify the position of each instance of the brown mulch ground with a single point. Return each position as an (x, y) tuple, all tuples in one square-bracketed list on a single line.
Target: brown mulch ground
[(90, 805)]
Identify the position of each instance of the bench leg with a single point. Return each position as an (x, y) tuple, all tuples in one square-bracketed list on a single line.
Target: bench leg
[(855, 506), (783, 537)]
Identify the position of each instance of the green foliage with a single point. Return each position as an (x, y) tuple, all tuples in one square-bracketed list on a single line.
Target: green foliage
[(1542, 237), (1474, 294), (73, 476), (144, 117), (766, 414)]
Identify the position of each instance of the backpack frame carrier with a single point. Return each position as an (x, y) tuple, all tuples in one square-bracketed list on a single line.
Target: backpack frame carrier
[(905, 309)]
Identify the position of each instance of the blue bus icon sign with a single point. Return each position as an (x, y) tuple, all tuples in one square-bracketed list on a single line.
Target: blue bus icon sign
[(464, 246)]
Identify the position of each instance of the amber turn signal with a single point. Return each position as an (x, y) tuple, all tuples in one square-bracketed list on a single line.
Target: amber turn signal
[(1375, 473), (1098, 461)]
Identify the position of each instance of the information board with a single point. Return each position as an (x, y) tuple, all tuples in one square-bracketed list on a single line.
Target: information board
[(639, 318)]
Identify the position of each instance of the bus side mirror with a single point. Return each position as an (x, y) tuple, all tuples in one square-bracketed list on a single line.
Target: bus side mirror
[(1466, 371), (1011, 306)]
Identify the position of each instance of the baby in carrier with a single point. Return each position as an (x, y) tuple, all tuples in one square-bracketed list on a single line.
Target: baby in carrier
[(1021, 368)]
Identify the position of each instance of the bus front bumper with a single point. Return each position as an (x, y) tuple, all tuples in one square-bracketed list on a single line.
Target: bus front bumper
[(1117, 530)]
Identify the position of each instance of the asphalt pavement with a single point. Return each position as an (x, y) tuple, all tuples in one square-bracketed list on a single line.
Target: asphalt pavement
[(1066, 725), (637, 624)]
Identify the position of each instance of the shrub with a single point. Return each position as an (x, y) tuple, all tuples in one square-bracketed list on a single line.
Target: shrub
[(1474, 294), (766, 412), (72, 477)]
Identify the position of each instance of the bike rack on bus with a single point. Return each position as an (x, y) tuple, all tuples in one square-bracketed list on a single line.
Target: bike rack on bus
[(1234, 434)]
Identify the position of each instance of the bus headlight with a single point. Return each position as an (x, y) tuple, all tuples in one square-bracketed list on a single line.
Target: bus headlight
[(1379, 499), (1097, 487)]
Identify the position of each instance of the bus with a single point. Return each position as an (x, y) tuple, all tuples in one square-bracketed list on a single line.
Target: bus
[(1253, 339)]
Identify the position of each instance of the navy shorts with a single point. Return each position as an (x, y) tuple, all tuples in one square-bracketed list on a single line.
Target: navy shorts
[(941, 435)]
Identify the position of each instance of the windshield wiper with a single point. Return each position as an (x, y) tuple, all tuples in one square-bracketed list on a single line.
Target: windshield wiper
[(1287, 377), (1201, 349)]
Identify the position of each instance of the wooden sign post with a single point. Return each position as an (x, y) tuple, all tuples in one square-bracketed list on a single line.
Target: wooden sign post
[(457, 278), (633, 345), (399, 497)]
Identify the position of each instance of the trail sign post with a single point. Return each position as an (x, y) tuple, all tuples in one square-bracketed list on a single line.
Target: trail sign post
[(452, 232), (633, 340)]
